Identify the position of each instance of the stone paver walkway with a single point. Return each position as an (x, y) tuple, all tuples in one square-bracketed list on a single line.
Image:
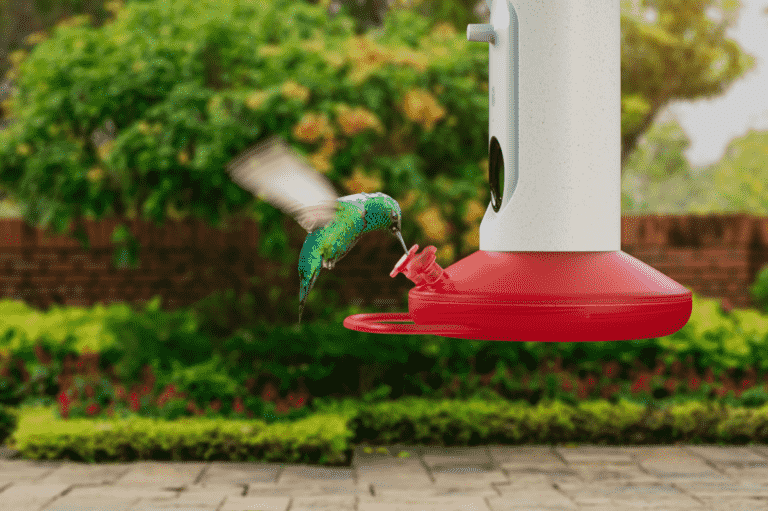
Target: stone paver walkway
[(403, 478)]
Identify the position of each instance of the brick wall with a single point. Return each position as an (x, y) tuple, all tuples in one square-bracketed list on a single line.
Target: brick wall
[(715, 256)]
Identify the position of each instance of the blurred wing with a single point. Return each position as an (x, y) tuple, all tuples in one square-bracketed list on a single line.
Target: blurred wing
[(272, 171)]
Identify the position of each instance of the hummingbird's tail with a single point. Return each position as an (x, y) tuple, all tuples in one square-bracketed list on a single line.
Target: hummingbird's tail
[(306, 287)]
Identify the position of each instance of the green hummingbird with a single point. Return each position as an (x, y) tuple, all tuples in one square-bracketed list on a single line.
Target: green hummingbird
[(274, 172)]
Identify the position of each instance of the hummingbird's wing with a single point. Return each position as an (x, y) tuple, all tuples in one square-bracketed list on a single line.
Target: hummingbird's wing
[(273, 171)]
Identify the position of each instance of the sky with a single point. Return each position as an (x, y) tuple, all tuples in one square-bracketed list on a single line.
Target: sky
[(711, 124)]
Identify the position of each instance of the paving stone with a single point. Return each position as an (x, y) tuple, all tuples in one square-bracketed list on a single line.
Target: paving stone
[(25, 470), (613, 472), (598, 454), (437, 490), (720, 504), (241, 473), (85, 473), (522, 457), (24, 496), (740, 456), (68, 503), (302, 473), (541, 498), (449, 456), (725, 489), (308, 489), (423, 504), (256, 503), (162, 474), (99, 492), (323, 503)]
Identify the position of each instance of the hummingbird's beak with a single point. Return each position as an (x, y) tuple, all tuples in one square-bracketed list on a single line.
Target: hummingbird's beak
[(400, 237)]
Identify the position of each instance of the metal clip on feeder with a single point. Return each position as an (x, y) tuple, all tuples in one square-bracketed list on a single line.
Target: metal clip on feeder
[(550, 265)]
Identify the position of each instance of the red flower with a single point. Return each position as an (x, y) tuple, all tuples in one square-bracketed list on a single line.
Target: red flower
[(237, 406), (282, 406), (192, 407), (92, 409), (747, 383), (269, 393), (642, 383), (693, 382), (710, 377), (134, 400), (591, 380), (671, 385), (567, 385), (611, 369), (120, 392), (63, 404)]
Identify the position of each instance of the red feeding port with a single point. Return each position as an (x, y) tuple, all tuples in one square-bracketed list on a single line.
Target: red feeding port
[(534, 296)]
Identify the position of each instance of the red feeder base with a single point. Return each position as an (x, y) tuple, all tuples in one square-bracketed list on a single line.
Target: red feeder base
[(539, 296)]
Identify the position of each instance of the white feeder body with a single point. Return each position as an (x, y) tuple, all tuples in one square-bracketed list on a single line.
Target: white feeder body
[(555, 108)]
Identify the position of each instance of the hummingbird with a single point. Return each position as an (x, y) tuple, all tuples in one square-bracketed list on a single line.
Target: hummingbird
[(274, 172)]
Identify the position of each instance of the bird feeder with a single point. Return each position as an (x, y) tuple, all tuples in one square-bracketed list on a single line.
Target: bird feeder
[(550, 265)]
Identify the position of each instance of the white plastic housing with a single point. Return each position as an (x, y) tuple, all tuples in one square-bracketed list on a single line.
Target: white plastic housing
[(555, 107)]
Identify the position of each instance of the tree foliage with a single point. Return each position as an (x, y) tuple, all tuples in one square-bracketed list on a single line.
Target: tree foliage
[(140, 116), (674, 50)]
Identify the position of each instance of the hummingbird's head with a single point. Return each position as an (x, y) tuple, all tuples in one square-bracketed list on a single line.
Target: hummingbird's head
[(383, 212)]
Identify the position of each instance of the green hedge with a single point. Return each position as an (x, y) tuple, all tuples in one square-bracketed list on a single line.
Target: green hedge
[(325, 359), (328, 438), (321, 439)]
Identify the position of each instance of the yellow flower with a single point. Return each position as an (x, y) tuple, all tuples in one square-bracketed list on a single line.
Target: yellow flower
[(143, 127), (362, 182), (433, 224), (445, 255), (471, 238), (330, 146), (15, 57), (270, 50), (182, 157), (367, 56), (291, 89), (311, 127), (408, 200), (443, 31), (35, 37), (356, 120), (256, 99), (421, 107), (406, 56), (333, 58), (439, 51), (23, 149), (95, 174), (113, 6), (475, 210), (320, 161), (104, 150), (316, 45), (484, 167)]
